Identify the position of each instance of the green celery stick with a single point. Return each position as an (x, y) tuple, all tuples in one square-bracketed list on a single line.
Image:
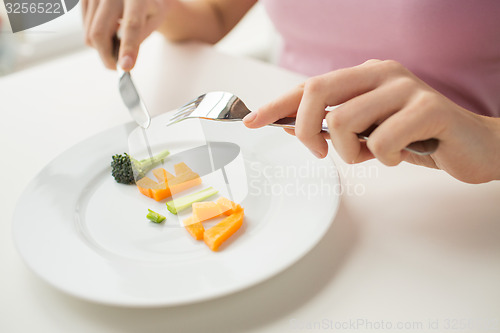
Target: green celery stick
[(179, 204), (155, 217)]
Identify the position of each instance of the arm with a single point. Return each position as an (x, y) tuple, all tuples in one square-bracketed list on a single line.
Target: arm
[(203, 20)]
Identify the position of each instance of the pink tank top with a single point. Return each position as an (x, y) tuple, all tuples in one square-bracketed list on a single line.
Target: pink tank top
[(453, 45)]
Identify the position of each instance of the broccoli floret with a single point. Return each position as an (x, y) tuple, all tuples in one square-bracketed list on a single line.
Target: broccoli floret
[(121, 169), (123, 166)]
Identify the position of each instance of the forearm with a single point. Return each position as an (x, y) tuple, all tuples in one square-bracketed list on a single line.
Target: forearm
[(495, 128), (202, 20)]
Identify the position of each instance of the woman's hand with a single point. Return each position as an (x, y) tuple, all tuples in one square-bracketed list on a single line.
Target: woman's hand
[(202, 20), (405, 109), (139, 18)]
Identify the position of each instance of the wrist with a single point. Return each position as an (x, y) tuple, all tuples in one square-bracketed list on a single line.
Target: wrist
[(496, 146), (492, 124)]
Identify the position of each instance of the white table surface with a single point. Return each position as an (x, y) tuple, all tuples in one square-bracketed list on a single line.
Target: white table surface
[(410, 246)]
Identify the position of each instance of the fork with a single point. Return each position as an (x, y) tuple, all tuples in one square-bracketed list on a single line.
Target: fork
[(224, 106)]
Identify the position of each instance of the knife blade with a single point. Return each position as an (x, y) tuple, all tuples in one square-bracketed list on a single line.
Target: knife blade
[(129, 93), (131, 98), (208, 158)]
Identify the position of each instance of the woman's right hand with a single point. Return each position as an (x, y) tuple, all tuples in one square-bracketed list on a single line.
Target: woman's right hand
[(139, 18), (405, 109)]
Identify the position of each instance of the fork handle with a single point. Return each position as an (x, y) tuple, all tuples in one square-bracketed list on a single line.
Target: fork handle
[(423, 148)]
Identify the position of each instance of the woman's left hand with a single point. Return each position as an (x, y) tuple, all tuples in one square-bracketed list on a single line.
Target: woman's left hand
[(405, 109)]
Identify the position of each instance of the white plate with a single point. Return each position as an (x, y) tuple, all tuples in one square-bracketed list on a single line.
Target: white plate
[(87, 235)]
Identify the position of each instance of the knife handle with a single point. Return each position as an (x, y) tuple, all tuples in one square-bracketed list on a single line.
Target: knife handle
[(116, 51), (115, 44)]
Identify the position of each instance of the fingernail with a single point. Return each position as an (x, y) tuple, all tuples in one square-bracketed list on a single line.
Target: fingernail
[(126, 63), (316, 153), (250, 117)]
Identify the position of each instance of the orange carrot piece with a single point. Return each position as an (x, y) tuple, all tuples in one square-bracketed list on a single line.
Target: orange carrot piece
[(183, 182), (145, 191), (152, 189), (146, 185), (195, 229), (146, 182), (219, 233), (228, 207), (171, 185), (181, 168), (162, 175), (205, 210), (160, 193)]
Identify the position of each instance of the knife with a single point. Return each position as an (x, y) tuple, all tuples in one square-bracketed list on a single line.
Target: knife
[(129, 93), (207, 158)]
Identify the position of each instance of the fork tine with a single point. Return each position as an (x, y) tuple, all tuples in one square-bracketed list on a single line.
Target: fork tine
[(171, 122), (189, 105), (195, 101), (183, 116), (199, 108), (184, 111), (199, 98), (184, 108)]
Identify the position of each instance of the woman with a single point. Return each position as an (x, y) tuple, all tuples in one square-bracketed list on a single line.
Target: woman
[(442, 80)]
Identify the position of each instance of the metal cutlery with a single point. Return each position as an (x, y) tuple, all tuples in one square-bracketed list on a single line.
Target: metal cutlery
[(129, 93)]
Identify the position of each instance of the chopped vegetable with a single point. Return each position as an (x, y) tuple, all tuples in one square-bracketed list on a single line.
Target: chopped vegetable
[(121, 169), (206, 210), (123, 166), (219, 233), (227, 207), (181, 168), (203, 211), (183, 182), (179, 204), (155, 217), (168, 184), (195, 229), (162, 175), (152, 189)]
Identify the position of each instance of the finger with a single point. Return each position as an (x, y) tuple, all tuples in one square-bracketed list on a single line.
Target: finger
[(336, 88), (360, 113), (363, 155), (290, 131), (133, 33), (91, 7), (426, 161), (154, 18), (371, 61), (103, 29), (310, 116), (84, 8), (347, 83), (285, 106), (413, 123), (362, 152), (345, 142)]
